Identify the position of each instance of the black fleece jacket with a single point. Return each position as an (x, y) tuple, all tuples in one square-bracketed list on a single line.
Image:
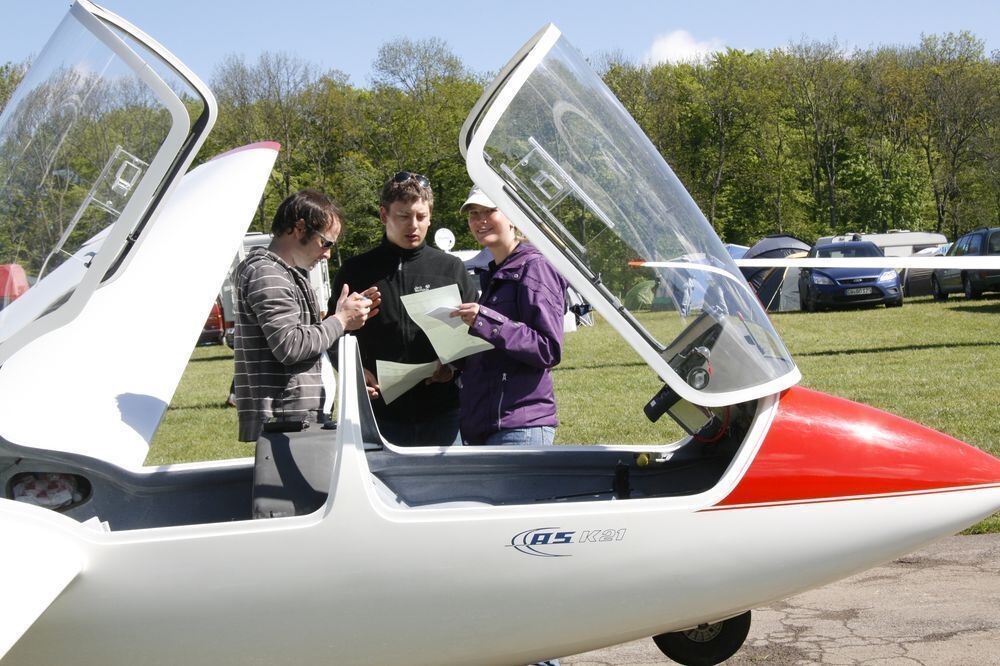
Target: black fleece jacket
[(391, 335)]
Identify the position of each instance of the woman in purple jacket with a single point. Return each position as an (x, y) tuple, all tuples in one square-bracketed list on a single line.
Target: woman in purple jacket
[(507, 395)]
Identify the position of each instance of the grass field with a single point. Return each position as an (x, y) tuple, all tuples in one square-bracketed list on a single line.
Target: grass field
[(934, 363)]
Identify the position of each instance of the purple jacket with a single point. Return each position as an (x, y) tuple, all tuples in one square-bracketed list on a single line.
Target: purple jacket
[(521, 313)]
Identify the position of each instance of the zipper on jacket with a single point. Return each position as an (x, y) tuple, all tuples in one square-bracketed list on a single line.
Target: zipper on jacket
[(503, 384), (403, 320)]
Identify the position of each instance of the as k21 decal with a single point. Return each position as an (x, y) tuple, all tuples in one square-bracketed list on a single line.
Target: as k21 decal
[(554, 541)]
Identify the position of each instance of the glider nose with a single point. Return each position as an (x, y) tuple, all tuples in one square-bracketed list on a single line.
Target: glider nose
[(820, 447)]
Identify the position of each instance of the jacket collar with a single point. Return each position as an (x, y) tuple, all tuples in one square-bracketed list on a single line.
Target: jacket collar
[(402, 253), (512, 267)]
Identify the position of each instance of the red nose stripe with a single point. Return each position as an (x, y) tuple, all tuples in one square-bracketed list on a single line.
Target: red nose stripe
[(820, 446)]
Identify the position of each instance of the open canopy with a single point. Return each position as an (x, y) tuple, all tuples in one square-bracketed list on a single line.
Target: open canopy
[(559, 154), (92, 143), (93, 135)]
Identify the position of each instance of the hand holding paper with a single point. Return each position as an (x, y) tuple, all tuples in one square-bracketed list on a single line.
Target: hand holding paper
[(449, 341), (467, 312), (443, 314)]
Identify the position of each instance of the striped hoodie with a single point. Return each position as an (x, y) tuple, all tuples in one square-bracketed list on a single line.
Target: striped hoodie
[(278, 339)]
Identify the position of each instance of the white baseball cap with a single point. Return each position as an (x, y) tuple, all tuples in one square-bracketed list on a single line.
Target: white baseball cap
[(477, 197)]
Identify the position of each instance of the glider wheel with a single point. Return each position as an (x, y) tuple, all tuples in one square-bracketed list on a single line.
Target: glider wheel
[(706, 644)]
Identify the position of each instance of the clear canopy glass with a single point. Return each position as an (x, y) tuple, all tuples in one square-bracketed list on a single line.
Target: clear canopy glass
[(77, 139), (581, 169)]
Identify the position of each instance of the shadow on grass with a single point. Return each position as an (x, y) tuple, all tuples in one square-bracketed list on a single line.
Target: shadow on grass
[(220, 405), (864, 307), (600, 366), (978, 307), (879, 350)]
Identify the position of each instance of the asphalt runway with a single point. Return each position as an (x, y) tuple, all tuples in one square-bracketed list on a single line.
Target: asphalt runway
[(937, 606)]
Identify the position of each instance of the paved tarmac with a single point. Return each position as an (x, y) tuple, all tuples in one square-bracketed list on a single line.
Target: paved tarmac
[(937, 606)]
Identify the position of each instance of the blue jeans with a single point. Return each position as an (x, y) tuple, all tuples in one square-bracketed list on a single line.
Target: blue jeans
[(439, 431), (535, 436)]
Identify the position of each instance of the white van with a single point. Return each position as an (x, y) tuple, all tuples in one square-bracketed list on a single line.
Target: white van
[(319, 278), (894, 243)]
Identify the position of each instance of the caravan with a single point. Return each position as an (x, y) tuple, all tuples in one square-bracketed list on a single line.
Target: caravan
[(893, 243)]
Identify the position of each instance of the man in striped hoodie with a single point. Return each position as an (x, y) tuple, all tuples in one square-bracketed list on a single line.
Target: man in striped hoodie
[(279, 337)]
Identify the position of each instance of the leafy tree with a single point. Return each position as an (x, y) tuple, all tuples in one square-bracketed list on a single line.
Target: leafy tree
[(805, 140), (879, 200), (956, 94), (261, 102), (11, 74), (822, 89), (727, 95), (421, 96)]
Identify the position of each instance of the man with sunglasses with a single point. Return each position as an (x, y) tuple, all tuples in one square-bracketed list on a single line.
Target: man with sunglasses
[(426, 415), (279, 338)]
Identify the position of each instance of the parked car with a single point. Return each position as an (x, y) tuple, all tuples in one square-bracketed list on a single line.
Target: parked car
[(978, 243), (835, 287), (213, 332), (917, 281)]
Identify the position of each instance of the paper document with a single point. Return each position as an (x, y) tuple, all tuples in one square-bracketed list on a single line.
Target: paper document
[(395, 379), (449, 342), (443, 314)]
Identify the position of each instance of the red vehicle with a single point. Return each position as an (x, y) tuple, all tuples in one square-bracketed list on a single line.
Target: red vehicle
[(215, 328), (13, 283)]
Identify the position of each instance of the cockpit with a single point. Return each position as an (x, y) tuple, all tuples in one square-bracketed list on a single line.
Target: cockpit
[(92, 146)]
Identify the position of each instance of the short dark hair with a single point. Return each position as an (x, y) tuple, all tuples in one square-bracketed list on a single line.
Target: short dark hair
[(314, 208), (407, 190)]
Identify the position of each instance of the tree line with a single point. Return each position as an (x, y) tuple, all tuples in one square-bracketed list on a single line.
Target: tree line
[(808, 139), (812, 140)]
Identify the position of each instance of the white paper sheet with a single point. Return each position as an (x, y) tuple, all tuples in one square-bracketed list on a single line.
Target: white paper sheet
[(443, 314), (395, 379), (449, 343)]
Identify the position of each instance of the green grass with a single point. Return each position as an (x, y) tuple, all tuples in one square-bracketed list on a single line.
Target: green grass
[(198, 424), (935, 363)]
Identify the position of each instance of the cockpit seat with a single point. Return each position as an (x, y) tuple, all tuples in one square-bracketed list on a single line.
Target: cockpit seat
[(292, 472)]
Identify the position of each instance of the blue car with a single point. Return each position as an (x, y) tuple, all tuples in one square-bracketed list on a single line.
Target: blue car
[(838, 287)]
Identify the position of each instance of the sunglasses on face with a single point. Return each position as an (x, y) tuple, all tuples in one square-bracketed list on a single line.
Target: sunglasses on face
[(403, 176), (326, 243)]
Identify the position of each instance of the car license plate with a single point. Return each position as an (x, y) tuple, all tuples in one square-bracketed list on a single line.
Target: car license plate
[(858, 291)]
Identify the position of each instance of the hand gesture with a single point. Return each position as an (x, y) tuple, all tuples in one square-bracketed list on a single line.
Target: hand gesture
[(442, 374), (373, 295), (467, 311), (371, 383), (353, 309)]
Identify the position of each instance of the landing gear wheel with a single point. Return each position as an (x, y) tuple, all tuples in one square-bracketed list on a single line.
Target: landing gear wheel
[(706, 644)]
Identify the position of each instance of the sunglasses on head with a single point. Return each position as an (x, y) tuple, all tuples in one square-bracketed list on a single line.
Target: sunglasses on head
[(403, 176)]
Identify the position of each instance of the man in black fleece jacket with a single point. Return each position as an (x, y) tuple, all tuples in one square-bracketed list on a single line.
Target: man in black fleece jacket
[(426, 415)]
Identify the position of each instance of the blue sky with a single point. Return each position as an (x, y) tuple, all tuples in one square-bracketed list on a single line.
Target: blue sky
[(346, 35)]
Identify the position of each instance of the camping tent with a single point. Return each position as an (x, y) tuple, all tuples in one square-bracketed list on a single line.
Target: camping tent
[(777, 288), (736, 251), (476, 262), (640, 296)]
